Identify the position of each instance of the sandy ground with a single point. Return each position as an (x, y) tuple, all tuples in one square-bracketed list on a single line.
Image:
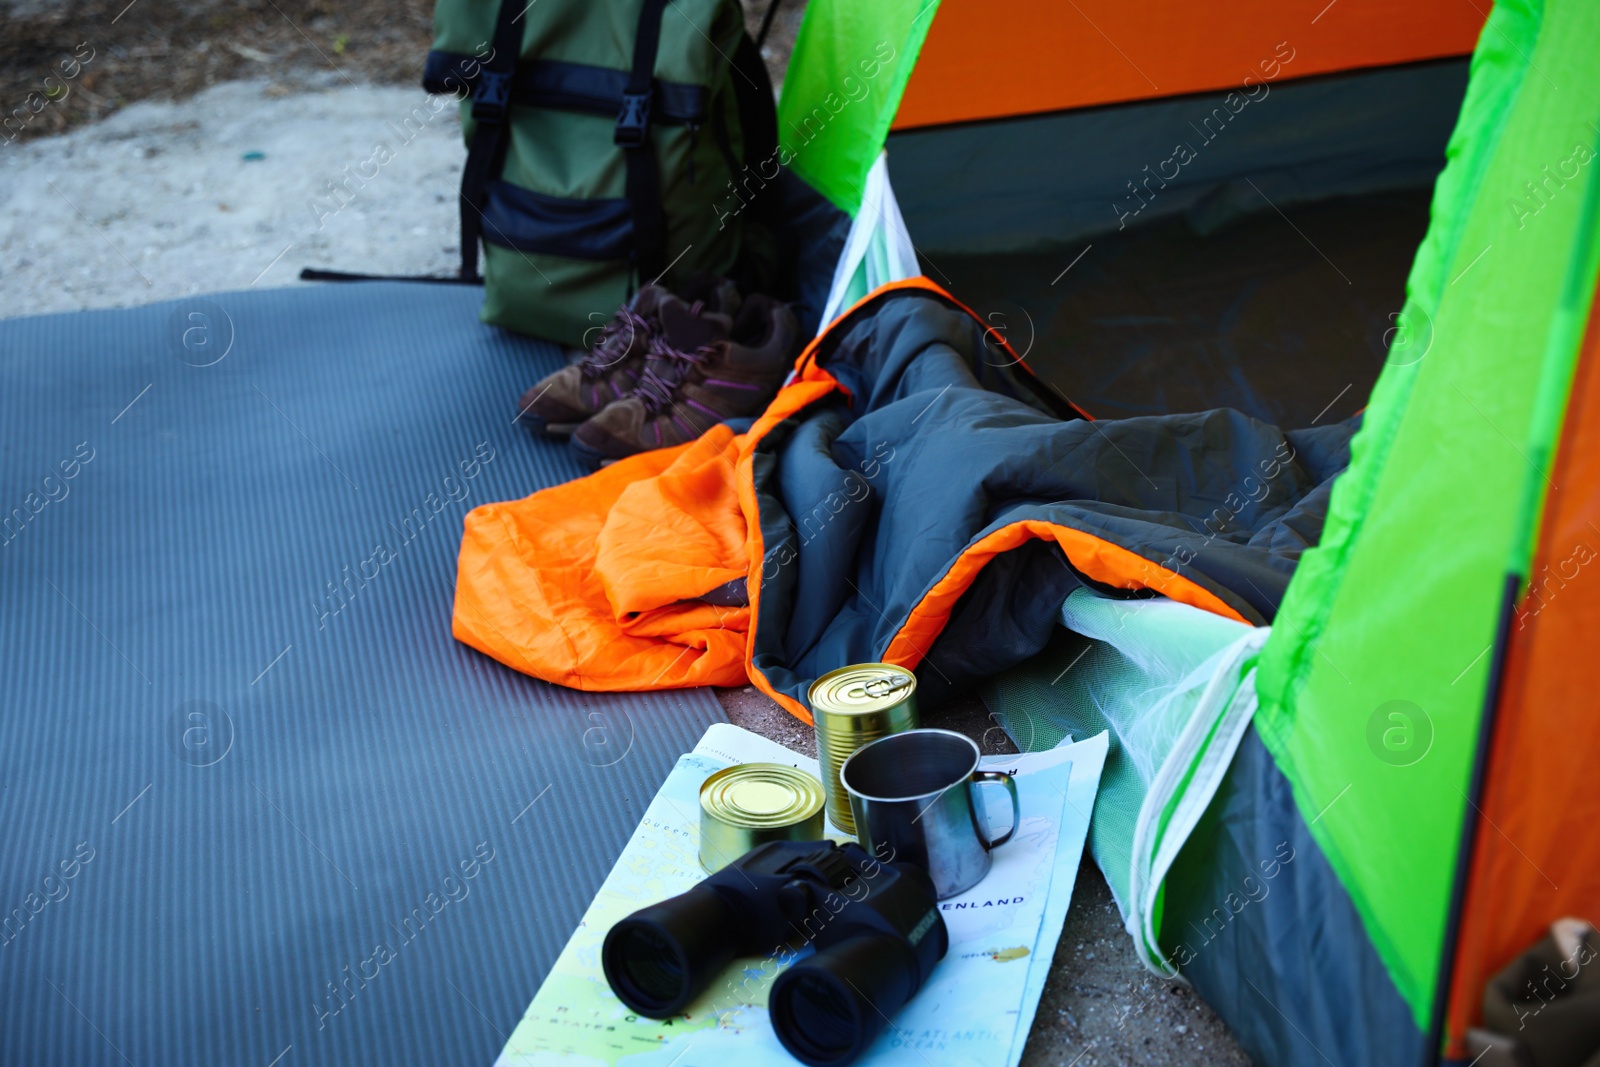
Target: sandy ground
[(231, 189)]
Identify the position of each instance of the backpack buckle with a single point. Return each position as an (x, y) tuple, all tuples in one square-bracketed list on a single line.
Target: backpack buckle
[(491, 96), (633, 121)]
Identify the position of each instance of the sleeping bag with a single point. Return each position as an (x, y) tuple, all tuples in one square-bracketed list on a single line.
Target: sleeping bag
[(913, 495)]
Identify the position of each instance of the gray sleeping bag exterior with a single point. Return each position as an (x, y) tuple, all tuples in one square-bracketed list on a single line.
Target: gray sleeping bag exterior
[(880, 500)]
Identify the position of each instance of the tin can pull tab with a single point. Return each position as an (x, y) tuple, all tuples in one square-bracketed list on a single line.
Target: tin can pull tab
[(883, 686)]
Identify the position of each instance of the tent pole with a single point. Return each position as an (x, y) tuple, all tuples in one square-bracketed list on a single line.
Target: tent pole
[(1470, 817)]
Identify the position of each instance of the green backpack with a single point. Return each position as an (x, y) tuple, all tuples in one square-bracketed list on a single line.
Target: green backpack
[(609, 144)]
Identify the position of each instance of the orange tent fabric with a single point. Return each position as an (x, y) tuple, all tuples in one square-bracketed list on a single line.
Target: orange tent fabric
[(1012, 57), (1537, 856)]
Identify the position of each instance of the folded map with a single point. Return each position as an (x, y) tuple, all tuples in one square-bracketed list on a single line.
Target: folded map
[(976, 1009)]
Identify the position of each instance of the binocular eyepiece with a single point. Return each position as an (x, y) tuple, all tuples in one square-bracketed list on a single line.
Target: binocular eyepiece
[(875, 927)]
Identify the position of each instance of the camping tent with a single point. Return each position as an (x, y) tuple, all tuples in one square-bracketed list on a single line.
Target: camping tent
[(1421, 731)]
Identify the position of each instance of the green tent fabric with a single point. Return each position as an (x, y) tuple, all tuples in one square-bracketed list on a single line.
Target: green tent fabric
[(1372, 685), (1368, 738), (846, 76)]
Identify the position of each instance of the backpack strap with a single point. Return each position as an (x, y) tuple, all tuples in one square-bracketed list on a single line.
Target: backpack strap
[(766, 22), (758, 119), (632, 135), (491, 106)]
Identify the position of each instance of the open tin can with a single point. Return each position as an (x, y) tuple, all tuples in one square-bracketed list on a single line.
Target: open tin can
[(853, 706), (750, 804)]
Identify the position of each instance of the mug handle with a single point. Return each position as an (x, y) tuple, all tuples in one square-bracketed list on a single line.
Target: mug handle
[(1000, 778)]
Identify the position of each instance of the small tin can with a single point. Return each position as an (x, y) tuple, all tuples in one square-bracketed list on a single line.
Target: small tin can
[(852, 706), (750, 804)]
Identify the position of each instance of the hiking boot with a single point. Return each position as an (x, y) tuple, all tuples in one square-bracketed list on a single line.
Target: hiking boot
[(686, 388), (610, 370), (1543, 1008)]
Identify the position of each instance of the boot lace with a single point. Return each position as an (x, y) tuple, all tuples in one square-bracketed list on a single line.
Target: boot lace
[(617, 339), (665, 369)]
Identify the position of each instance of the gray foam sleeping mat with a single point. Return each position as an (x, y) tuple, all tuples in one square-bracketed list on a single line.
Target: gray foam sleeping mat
[(256, 805)]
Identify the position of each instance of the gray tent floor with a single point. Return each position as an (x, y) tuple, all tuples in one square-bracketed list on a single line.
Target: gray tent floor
[(257, 805), (1285, 317)]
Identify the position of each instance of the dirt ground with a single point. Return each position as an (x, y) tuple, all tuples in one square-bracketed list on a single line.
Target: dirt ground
[(88, 59), (64, 63), (158, 149)]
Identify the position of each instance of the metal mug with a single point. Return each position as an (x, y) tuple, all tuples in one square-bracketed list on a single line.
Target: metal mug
[(915, 793)]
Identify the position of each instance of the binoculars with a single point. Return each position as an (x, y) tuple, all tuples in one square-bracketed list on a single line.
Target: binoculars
[(875, 927)]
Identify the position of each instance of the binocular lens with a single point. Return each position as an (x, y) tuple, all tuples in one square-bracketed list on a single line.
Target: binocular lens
[(872, 953), (648, 963), (660, 957), (827, 1010), (819, 1020)]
